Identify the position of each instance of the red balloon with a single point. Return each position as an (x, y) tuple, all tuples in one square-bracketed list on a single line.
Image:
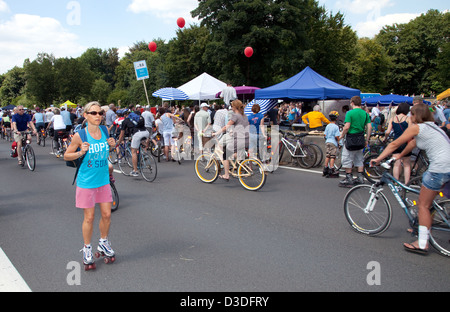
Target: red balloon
[(248, 52), (152, 46), (181, 22)]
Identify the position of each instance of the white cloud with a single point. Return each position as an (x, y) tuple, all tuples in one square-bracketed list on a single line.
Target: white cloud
[(24, 36), (3, 6), (362, 6), (168, 10), (371, 27)]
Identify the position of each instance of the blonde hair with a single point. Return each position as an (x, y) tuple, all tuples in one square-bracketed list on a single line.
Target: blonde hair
[(89, 105), (238, 105)]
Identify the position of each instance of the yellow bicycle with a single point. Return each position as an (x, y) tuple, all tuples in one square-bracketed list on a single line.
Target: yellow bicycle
[(249, 171)]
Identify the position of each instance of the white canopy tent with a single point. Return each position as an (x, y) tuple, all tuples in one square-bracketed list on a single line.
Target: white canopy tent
[(204, 87)]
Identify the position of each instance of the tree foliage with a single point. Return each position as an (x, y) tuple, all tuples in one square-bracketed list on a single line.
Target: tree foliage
[(286, 36)]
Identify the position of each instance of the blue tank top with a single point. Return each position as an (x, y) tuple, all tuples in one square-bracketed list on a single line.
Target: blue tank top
[(94, 171)]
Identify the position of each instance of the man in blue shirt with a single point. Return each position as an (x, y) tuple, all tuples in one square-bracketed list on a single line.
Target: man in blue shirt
[(66, 117), (21, 122)]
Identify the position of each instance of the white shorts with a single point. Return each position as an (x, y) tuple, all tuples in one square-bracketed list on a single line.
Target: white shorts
[(168, 140), (352, 158), (137, 137)]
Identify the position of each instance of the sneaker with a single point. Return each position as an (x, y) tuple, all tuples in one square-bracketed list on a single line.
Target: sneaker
[(105, 247), (88, 258), (134, 174)]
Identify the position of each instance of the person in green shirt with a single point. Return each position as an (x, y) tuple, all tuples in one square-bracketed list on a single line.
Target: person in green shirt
[(356, 121)]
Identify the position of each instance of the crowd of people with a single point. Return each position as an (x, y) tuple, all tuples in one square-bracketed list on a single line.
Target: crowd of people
[(422, 127)]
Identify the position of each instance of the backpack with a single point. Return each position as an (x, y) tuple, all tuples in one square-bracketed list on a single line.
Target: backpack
[(77, 162)]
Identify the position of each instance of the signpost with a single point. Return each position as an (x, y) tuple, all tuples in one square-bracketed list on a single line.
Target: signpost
[(141, 70)]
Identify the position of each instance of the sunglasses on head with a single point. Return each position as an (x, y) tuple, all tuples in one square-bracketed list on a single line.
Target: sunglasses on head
[(95, 113)]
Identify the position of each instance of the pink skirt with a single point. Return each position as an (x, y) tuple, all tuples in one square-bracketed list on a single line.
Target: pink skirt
[(87, 198)]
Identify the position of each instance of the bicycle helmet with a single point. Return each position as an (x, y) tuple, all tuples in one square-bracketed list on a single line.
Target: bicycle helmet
[(334, 114)]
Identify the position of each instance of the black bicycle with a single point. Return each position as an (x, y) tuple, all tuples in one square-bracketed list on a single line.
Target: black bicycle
[(27, 152)]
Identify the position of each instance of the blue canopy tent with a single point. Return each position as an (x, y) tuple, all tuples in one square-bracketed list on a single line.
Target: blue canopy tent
[(389, 99), (307, 85)]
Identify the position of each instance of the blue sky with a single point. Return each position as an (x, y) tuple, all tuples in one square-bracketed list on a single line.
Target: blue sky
[(68, 28)]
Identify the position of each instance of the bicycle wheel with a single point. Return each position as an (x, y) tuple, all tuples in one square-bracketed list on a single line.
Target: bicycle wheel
[(148, 167), (367, 221), (319, 153), (125, 162), (373, 174), (338, 160), (310, 158), (251, 174), (115, 197), (440, 228), (207, 168), (31, 159)]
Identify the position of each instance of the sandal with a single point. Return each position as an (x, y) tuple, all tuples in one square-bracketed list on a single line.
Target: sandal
[(411, 248), (221, 177)]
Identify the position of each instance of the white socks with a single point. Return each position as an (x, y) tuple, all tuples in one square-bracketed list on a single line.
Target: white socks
[(423, 236)]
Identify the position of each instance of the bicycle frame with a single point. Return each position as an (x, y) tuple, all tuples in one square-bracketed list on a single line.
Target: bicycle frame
[(292, 148), (390, 180), (234, 165)]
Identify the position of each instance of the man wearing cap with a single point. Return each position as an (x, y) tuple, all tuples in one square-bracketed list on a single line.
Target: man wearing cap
[(202, 122)]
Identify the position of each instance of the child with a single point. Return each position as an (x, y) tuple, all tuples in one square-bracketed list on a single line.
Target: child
[(332, 135)]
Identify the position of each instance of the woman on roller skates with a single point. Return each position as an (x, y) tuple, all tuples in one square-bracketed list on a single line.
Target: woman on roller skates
[(93, 181)]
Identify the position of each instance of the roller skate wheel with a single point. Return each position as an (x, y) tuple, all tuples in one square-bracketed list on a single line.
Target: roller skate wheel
[(88, 267), (98, 255)]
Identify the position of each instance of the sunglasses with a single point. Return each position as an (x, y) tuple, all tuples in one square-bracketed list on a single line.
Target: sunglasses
[(95, 113)]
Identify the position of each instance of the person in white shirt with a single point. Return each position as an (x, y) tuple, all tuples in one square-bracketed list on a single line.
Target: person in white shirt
[(59, 126), (228, 94)]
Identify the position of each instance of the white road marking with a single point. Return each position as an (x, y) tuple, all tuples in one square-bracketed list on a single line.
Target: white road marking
[(10, 279)]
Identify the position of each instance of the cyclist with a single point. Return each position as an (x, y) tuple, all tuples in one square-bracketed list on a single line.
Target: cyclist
[(237, 138), (6, 123), (20, 123), (93, 179), (138, 132), (424, 134), (39, 119), (59, 127)]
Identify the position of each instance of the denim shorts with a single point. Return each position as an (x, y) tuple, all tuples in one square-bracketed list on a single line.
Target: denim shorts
[(435, 181)]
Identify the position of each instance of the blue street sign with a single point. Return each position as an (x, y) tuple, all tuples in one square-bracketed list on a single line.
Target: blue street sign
[(141, 70)]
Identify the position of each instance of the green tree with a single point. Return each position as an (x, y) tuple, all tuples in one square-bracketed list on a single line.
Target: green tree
[(13, 85), (370, 67), (100, 91), (414, 48), (40, 78), (286, 37), (74, 79)]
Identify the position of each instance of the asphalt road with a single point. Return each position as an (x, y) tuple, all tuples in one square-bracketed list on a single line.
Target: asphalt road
[(180, 235)]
